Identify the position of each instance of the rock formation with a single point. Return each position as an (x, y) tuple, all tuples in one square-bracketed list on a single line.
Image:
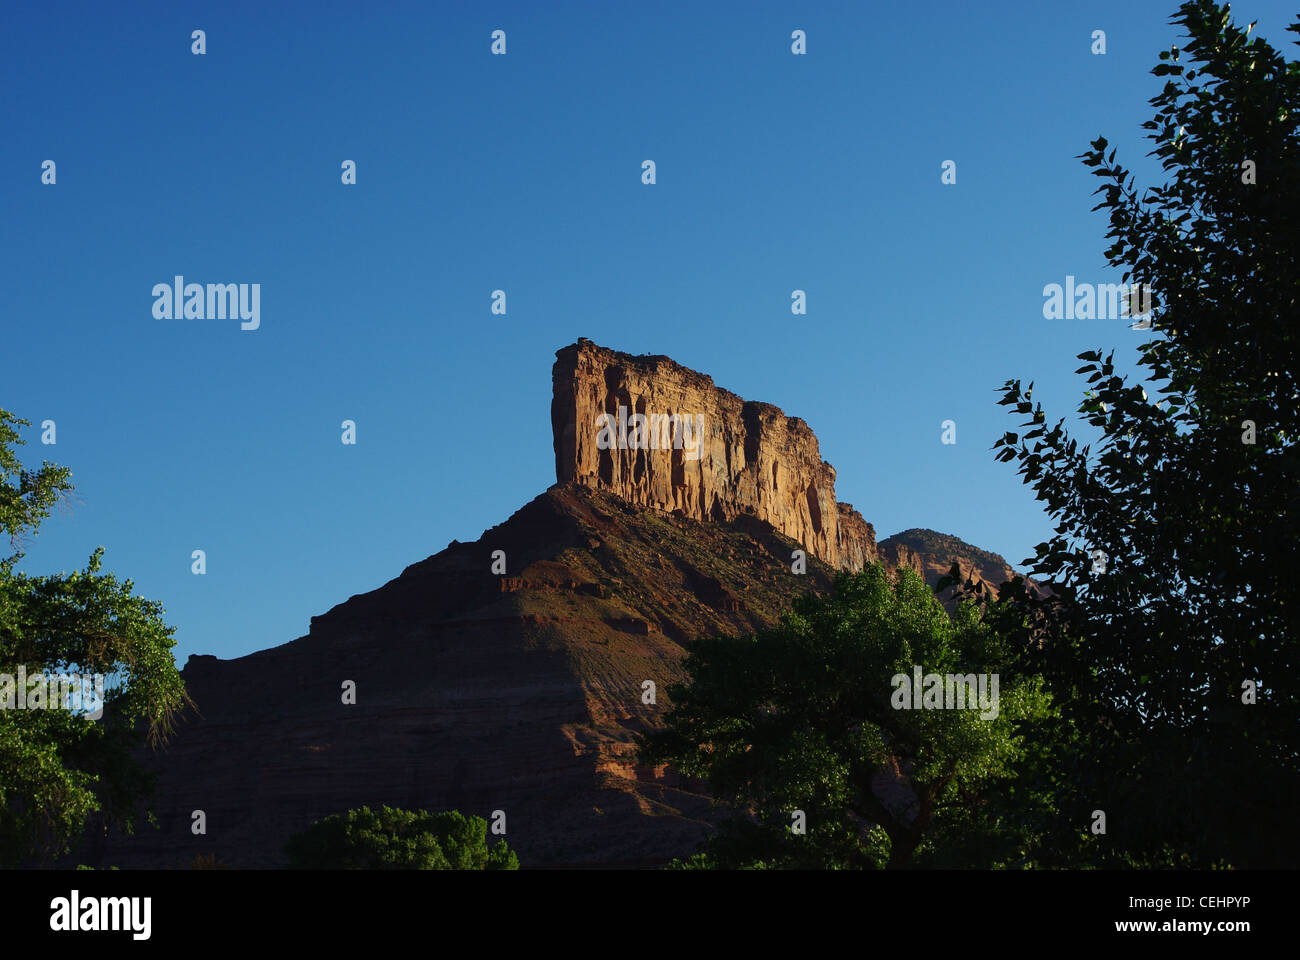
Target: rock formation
[(523, 691), (477, 692), (751, 458)]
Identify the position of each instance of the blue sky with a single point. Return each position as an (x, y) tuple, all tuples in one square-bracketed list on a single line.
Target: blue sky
[(522, 172)]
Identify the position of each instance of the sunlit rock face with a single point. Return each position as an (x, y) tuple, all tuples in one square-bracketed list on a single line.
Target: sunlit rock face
[(660, 435)]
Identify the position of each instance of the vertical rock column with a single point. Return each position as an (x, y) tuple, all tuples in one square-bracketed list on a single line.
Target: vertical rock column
[(751, 457)]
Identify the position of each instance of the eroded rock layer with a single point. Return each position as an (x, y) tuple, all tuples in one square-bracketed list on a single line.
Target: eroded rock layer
[(663, 436), (476, 692)]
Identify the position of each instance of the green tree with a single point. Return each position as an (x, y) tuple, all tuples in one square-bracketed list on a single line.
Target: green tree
[(1191, 494), (803, 716), (394, 839), (60, 770)]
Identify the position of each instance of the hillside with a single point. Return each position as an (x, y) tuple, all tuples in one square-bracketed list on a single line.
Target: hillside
[(521, 689), (478, 692), (932, 554)]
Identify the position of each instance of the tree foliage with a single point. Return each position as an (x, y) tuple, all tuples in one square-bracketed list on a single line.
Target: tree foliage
[(803, 717), (395, 839), (1196, 524), (59, 769)]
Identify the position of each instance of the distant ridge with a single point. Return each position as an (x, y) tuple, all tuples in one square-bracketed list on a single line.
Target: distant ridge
[(932, 554)]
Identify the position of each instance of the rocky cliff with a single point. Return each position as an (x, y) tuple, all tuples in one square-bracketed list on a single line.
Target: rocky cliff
[(663, 436), (521, 690)]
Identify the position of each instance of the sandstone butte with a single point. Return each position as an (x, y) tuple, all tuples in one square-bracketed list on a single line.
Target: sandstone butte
[(752, 458), (523, 692)]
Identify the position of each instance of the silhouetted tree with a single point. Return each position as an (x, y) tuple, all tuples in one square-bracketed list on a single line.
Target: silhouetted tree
[(1191, 494)]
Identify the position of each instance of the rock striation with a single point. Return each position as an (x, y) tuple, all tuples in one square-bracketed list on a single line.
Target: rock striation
[(476, 692), (663, 436)]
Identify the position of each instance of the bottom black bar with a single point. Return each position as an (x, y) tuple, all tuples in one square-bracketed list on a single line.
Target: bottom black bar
[(218, 907)]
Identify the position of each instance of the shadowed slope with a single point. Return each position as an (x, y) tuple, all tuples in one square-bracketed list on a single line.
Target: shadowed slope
[(478, 692)]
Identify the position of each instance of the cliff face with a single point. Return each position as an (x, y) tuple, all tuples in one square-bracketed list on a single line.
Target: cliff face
[(660, 435), (523, 690)]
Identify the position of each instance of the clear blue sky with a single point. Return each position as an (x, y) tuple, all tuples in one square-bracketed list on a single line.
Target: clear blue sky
[(523, 172)]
